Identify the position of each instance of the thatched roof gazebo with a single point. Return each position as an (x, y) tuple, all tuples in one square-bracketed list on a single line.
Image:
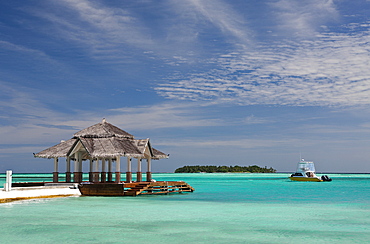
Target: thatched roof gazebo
[(102, 142)]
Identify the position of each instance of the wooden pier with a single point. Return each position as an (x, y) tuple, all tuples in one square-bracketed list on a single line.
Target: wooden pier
[(134, 189)]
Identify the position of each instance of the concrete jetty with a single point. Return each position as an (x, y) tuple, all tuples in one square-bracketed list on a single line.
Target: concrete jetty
[(47, 191)]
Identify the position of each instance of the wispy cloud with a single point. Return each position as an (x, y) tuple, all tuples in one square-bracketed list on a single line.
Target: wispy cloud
[(22, 114), (303, 18), (27, 120), (159, 116), (226, 19), (329, 70), (112, 25), (225, 143), (106, 32), (36, 55), (18, 103), (13, 47), (176, 32)]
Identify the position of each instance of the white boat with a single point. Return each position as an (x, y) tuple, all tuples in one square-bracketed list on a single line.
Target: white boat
[(306, 172)]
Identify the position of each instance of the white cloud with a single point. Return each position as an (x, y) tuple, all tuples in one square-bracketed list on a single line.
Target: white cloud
[(226, 143), (107, 33), (22, 116), (18, 102), (33, 54), (228, 20), (254, 120), (165, 115), (111, 24), (115, 34), (5, 152), (302, 17), (26, 120), (329, 70)]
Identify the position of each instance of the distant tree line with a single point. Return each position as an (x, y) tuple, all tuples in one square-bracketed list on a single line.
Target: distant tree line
[(224, 169)]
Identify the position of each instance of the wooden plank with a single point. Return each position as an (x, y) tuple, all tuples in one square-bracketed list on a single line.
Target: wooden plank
[(102, 189), (134, 188)]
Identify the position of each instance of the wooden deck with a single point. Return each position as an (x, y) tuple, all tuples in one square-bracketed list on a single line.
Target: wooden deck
[(134, 189)]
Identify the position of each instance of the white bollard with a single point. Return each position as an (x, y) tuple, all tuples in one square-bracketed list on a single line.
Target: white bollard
[(8, 184)]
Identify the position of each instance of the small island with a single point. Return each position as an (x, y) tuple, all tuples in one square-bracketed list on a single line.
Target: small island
[(224, 169)]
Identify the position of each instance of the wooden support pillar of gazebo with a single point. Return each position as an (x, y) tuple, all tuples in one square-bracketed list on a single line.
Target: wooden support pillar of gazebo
[(95, 141), (95, 173), (139, 174), (148, 173), (91, 170), (118, 169), (110, 173), (68, 170), (103, 176), (128, 173), (77, 174), (75, 171), (55, 173)]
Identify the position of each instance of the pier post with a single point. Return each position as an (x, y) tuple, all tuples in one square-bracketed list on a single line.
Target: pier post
[(139, 176), (80, 174), (96, 171), (128, 177), (118, 169), (149, 170), (77, 174), (91, 171), (68, 169), (68, 177), (55, 177), (103, 172), (148, 176), (110, 174), (128, 173), (75, 178), (8, 182), (55, 173)]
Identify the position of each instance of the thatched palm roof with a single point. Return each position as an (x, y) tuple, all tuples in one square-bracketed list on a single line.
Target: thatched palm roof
[(57, 151), (103, 140), (108, 147), (103, 130), (158, 154)]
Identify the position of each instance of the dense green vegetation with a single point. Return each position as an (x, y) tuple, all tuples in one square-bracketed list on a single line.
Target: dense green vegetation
[(224, 169)]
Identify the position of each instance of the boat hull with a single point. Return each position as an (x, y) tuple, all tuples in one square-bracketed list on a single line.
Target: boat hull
[(312, 179)]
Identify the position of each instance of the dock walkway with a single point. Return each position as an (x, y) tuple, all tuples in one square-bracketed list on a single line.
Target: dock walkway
[(135, 188), (34, 190), (47, 191)]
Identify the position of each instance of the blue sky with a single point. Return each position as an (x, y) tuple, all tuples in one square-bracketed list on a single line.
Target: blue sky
[(208, 81)]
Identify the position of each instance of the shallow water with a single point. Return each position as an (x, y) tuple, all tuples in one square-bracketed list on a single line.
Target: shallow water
[(225, 208)]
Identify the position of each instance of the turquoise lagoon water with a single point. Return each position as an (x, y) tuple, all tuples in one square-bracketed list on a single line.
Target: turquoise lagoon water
[(225, 208)]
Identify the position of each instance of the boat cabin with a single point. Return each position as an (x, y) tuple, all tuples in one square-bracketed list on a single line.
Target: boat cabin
[(305, 168)]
